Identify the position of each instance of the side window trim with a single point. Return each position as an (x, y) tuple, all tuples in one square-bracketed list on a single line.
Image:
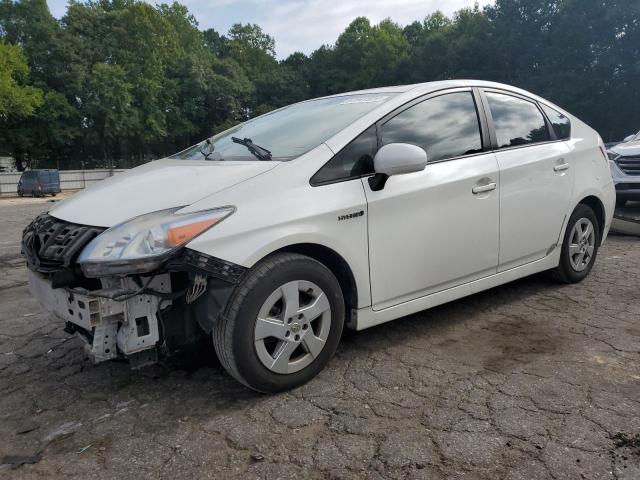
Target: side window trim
[(354, 177), (480, 116), (552, 130), (491, 124), (482, 119), (487, 111)]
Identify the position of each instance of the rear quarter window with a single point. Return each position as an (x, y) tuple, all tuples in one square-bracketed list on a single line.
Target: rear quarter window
[(560, 123)]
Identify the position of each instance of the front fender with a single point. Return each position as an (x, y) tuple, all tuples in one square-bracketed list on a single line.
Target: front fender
[(274, 213)]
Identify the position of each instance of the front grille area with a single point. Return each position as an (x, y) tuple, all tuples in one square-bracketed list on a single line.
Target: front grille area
[(629, 165), (50, 244)]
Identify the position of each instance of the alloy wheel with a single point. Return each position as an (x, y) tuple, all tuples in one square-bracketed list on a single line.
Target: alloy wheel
[(581, 244), (292, 327)]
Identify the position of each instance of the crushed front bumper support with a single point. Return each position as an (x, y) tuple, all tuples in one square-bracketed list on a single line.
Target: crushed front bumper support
[(108, 326)]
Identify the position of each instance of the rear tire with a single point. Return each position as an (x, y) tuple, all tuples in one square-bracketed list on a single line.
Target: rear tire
[(580, 246), (304, 309)]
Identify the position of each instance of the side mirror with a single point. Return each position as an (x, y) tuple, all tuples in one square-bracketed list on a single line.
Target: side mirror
[(396, 159), (629, 138)]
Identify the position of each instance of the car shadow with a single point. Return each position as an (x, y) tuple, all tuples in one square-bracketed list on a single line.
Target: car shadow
[(429, 326)]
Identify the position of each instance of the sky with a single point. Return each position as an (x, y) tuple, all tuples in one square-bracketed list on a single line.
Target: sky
[(302, 25)]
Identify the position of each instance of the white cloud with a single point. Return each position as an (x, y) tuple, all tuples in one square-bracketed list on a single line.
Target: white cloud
[(304, 25)]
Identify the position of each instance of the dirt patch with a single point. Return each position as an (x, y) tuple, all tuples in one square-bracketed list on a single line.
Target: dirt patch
[(630, 442)]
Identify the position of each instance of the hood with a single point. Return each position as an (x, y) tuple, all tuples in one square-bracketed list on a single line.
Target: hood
[(629, 149), (154, 186)]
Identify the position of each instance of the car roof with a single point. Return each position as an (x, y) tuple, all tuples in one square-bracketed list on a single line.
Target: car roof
[(426, 87), (370, 91), (418, 89)]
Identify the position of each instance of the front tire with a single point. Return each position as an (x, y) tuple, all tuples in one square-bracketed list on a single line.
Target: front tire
[(580, 246), (282, 324)]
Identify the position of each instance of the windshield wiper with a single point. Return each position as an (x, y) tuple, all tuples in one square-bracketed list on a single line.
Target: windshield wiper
[(207, 148), (259, 152)]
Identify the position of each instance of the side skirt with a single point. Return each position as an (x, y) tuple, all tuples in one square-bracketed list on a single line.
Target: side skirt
[(367, 317)]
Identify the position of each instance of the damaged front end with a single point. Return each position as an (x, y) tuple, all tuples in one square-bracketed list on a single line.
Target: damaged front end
[(167, 304)]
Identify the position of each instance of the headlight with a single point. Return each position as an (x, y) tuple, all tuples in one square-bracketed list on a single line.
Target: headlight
[(143, 243), (612, 155)]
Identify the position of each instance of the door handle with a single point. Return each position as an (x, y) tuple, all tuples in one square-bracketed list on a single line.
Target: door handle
[(484, 188), (561, 167)]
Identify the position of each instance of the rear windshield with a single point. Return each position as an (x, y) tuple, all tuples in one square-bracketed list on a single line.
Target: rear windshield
[(290, 131)]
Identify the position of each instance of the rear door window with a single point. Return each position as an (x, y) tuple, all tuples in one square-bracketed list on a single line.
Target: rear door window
[(517, 121)]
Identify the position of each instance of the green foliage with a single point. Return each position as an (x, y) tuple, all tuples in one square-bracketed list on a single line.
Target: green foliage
[(18, 102), (16, 99), (121, 81)]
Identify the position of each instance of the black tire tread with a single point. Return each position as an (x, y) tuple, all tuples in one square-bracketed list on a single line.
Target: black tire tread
[(223, 328)]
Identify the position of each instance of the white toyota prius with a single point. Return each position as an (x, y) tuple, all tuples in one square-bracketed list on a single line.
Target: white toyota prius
[(343, 211)]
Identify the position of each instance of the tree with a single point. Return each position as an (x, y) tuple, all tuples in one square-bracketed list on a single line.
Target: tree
[(16, 99), (121, 81), (108, 105)]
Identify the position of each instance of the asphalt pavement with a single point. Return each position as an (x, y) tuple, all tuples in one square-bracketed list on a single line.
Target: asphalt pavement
[(531, 380)]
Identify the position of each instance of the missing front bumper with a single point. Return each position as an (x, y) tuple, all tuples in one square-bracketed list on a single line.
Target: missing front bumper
[(110, 328), (142, 322)]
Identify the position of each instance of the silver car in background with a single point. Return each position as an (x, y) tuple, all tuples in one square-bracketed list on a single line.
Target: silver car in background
[(625, 169)]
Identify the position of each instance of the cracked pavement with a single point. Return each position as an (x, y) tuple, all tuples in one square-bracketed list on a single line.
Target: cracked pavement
[(527, 380)]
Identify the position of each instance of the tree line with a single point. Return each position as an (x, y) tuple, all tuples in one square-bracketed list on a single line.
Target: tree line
[(117, 83)]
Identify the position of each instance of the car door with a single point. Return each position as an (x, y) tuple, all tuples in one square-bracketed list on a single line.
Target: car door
[(28, 184), (435, 229), (45, 180), (536, 179)]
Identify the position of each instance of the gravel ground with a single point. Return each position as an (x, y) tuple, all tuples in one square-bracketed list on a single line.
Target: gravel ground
[(528, 380)]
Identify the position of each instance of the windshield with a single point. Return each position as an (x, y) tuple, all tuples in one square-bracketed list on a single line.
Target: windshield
[(288, 132)]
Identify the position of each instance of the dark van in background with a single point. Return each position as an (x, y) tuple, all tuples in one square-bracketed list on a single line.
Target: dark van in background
[(39, 182)]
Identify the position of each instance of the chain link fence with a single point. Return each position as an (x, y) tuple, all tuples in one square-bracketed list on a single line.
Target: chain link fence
[(69, 179)]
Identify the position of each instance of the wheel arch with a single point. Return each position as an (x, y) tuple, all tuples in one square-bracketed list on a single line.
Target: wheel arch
[(598, 208), (337, 265)]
